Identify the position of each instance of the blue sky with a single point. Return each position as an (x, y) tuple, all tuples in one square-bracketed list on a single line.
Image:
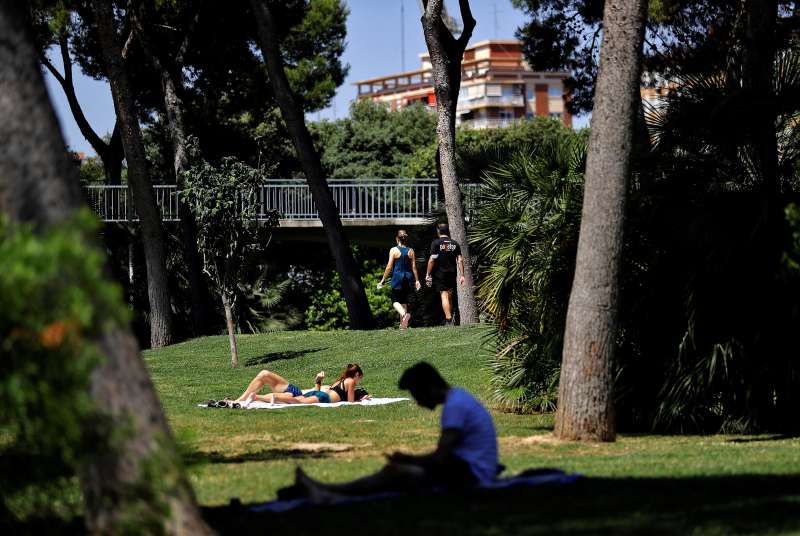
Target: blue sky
[(373, 49)]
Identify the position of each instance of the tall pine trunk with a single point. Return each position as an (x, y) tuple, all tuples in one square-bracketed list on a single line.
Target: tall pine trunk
[(352, 286), (585, 394), (143, 195), (39, 185), (446, 54), (170, 81)]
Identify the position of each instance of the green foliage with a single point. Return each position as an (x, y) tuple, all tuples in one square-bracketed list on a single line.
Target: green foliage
[(222, 199), (55, 303), (791, 258), (373, 142), (313, 53), (526, 234), (328, 309), (92, 171), (475, 149)]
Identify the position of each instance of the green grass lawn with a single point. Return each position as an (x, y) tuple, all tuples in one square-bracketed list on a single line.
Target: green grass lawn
[(641, 483)]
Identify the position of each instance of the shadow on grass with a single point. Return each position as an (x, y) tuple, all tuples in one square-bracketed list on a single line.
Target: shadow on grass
[(266, 455), (743, 504), (773, 437), (279, 356)]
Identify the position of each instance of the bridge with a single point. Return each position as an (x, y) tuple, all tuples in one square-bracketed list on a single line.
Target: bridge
[(372, 208)]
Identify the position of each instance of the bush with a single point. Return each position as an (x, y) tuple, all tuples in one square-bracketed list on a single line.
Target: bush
[(328, 309), (55, 302)]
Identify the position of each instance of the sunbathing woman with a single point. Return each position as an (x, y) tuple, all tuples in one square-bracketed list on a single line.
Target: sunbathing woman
[(343, 389)]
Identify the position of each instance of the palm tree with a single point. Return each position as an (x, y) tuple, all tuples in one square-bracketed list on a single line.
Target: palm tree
[(732, 370), (526, 233)]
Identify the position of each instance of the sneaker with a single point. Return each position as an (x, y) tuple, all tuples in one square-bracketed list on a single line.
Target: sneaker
[(404, 321), (448, 322)]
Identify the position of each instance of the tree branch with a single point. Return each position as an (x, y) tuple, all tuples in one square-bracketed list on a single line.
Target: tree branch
[(65, 57), (469, 24), (66, 83), (189, 31)]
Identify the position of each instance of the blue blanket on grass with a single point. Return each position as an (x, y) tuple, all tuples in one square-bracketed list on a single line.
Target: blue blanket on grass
[(531, 477)]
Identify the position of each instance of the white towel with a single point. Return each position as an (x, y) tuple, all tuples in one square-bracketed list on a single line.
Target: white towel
[(371, 402)]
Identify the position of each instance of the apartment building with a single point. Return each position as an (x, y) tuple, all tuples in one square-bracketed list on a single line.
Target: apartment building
[(497, 87)]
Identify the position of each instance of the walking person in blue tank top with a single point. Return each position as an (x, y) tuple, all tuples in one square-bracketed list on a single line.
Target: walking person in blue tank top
[(403, 268)]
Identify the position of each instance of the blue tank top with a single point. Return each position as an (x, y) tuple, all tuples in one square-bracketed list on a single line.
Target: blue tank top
[(401, 270)]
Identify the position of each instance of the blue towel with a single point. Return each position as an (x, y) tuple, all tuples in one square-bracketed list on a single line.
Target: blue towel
[(531, 477)]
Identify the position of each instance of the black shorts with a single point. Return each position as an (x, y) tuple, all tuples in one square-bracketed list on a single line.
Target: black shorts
[(400, 295), (444, 281)]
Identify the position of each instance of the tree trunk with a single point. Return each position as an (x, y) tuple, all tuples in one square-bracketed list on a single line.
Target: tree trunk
[(39, 185), (585, 396), (143, 196), (446, 54), (177, 130), (352, 286), (226, 304)]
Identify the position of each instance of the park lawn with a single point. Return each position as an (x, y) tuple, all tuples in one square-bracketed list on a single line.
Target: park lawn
[(641, 483)]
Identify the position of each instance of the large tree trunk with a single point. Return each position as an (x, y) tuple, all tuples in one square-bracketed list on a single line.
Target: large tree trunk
[(40, 186), (143, 196), (228, 306), (585, 394), (352, 286), (170, 80), (446, 54)]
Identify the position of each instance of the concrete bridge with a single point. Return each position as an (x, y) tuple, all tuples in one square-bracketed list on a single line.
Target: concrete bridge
[(371, 209)]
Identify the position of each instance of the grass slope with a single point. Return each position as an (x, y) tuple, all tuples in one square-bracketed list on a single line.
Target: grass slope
[(661, 484)]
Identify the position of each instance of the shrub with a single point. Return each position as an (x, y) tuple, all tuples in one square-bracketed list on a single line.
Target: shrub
[(55, 301), (328, 309)]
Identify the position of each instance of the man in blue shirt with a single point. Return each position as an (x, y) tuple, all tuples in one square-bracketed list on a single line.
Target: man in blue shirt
[(465, 455)]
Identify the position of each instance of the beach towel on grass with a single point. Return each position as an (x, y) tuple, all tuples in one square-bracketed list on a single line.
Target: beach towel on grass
[(371, 402), (529, 478)]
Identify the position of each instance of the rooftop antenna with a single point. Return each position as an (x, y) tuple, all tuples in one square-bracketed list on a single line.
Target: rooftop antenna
[(451, 23), (496, 26), (402, 36)]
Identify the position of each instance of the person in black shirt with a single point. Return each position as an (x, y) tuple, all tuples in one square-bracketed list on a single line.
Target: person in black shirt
[(445, 260)]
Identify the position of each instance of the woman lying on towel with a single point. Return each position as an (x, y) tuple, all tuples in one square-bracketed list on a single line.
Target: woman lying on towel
[(342, 390)]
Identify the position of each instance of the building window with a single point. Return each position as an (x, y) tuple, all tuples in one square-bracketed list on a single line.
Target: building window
[(554, 91), (494, 90), (531, 94), (505, 114), (508, 91), (555, 115), (528, 115)]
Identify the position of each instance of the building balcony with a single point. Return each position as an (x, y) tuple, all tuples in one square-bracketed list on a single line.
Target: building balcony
[(490, 122), (483, 102)]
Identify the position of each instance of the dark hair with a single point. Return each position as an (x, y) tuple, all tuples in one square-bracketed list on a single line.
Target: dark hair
[(349, 371), (443, 229), (360, 393), (402, 236), (421, 375)]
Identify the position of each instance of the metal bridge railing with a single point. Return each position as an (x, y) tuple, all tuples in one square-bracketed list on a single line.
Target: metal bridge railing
[(356, 200)]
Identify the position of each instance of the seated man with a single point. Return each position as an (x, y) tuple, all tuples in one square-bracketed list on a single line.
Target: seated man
[(465, 455)]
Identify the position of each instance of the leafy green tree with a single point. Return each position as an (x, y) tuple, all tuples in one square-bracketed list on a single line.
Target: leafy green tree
[(474, 148), (228, 227), (373, 142), (682, 35)]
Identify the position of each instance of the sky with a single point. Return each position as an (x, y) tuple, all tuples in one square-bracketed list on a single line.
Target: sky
[(376, 46)]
